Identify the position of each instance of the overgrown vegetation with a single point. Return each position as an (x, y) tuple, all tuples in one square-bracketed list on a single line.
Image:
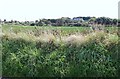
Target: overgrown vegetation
[(42, 54)]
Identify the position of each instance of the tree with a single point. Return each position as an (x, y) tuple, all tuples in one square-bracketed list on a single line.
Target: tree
[(114, 21), (60, 22), (36, 22), (118, 22), (0, 21), (41, 23), (91, 20), (48, 23), (4, 20), (11, 21), (32, 24)]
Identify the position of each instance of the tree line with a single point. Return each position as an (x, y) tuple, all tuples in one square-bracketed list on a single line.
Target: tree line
[(66, 21)]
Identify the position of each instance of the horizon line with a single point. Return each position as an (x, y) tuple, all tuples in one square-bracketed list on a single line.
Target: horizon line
[(56, 18)]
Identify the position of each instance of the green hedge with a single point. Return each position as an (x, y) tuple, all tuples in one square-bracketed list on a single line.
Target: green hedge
[(21, 58)]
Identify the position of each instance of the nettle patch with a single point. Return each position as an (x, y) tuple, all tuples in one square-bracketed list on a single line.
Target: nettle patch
[(91, 55)]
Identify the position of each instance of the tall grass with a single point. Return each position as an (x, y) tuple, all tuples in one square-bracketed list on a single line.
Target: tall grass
[(54, 52), (50, 54)]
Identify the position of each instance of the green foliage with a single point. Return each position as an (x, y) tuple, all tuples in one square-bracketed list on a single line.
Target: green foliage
[(23, 58), (66, 21)]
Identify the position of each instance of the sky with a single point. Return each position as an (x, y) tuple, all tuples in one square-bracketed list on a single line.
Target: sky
[(37, 9)]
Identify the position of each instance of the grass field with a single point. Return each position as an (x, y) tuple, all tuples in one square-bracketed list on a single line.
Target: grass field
[(63, 30), (59, 52)]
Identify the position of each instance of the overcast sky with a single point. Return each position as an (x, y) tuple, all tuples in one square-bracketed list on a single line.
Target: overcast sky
[(37, 9)]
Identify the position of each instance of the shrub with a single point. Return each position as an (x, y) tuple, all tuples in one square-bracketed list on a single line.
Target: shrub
[(85, 56)]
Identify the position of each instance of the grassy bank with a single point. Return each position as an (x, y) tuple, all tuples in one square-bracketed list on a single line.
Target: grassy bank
[(51, 55)]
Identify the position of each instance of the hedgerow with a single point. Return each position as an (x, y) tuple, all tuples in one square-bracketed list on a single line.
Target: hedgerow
[(93, 57)]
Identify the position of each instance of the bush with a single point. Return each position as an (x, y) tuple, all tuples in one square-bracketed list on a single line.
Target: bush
[(94, 58)]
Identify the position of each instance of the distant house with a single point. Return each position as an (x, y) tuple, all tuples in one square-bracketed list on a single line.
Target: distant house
[(77, 18), (82, 18)]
